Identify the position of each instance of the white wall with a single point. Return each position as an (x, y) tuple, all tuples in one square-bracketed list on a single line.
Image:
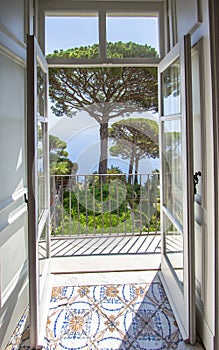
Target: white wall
[(13, 209), (12, 17)]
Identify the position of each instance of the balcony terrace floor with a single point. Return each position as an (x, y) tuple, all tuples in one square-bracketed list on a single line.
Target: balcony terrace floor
[(87, 245)]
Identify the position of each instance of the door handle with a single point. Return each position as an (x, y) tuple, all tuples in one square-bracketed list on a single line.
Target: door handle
[(196, 180)]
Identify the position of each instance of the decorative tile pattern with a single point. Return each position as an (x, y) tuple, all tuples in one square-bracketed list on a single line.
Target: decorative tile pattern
[(20, 337), (133, 316), (111, 317)]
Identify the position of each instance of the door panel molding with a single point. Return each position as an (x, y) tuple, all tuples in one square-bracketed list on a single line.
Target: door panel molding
[(178, 309)]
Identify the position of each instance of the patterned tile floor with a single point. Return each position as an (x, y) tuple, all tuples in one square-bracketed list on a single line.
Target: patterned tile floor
[(109, 316), (20, 337)]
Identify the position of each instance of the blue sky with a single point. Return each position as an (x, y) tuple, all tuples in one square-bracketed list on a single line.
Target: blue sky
[(66, 32), (81, 133)]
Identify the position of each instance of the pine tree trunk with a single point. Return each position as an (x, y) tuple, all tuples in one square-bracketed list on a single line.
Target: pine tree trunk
[(136, 169), (131, 164), (103, 150)]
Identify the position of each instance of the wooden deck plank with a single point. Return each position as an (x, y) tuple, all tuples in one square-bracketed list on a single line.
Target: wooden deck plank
[(105, 245)]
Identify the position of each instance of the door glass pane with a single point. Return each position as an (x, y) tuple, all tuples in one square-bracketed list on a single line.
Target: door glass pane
[(42, 251), (172, 167), (171, 89), (198, 121), (143, 41), (41, 168), (41, 91), (174, 248)]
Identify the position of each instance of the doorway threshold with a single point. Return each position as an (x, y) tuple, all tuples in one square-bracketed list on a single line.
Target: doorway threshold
[(105, 263)]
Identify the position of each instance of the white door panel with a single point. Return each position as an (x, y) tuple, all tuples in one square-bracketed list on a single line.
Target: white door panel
[(38, 186), (177, 198), (199, 132)]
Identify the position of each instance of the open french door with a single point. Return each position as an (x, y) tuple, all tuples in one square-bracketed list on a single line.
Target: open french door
[(177, 197), (38, 188)]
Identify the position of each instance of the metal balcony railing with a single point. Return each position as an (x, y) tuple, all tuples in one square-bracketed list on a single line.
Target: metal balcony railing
[(109, 205)]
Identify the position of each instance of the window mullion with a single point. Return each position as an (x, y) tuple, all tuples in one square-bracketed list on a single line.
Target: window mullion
[(102, 35)]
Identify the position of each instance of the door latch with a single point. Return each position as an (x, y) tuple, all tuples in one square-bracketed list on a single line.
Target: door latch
[(196, 180), (25, 198)]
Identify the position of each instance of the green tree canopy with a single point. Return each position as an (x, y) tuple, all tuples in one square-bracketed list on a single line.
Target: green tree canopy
[(117, 49), (60, 164), (57, 148), (134, 139), (104, 92)]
